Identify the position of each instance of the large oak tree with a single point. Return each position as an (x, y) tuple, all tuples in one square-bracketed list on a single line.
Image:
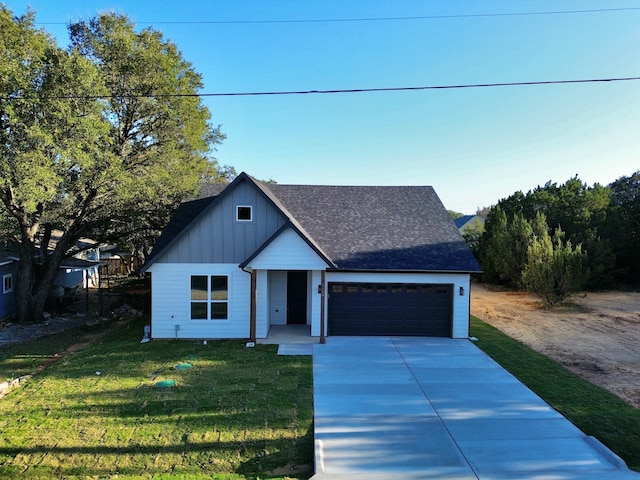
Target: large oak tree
[(102, 139)]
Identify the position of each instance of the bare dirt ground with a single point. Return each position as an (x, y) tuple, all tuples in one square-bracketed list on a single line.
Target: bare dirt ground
[(596, 336)]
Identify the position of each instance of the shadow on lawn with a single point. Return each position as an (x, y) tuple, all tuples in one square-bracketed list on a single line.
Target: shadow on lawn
[(241, 407), (283, 464), (292, 458)]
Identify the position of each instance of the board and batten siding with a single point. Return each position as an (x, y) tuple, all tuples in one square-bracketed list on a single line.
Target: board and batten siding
[(170, 297), (460, 306), (219, 238)]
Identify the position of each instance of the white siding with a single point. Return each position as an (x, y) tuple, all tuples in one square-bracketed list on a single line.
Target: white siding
[(278, 297), (288, 252), (460, 328), (170, 297), (262, 304), (313, 305)]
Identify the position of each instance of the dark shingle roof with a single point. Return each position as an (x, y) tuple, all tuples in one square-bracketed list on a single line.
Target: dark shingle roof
[(373, 227), (359, 227)]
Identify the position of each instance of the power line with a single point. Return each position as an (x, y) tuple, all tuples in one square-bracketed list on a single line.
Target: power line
[(377, 19), (430, 87), (338, 91)]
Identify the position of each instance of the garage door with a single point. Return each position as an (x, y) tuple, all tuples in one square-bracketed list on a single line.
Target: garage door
[(390, 309)]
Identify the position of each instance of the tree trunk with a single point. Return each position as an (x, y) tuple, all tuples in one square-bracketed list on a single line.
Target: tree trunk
[(34, 280), (25, 278)]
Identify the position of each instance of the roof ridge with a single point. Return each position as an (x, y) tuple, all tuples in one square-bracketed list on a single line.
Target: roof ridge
[(348, 186)]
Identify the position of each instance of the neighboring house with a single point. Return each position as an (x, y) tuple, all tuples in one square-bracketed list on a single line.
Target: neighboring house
[(344, 260), (80, 269), (77, 271), (468, 221), (8, 269)]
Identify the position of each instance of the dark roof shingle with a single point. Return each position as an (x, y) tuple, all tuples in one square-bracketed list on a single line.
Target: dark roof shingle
[(359, 227), (379, 227)]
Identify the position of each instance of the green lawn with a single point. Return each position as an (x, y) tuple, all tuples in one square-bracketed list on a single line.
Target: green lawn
[(237, 413), (592, 409)]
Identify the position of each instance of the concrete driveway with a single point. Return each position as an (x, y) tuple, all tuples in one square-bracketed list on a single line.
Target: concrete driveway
[(422, 408)]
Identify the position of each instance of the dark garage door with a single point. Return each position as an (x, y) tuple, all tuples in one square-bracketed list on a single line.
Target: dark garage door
[(390, 309)]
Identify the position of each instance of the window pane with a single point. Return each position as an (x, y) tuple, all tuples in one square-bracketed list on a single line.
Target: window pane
[(219, 311), (199, 310), (219, 288), (199, 287), (336, 288), (367, 289), (244, 213)]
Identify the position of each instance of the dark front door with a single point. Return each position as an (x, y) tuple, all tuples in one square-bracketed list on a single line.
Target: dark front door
[(296, 298)]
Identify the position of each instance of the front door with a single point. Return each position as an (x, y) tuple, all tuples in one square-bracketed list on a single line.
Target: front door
[(296, 298)]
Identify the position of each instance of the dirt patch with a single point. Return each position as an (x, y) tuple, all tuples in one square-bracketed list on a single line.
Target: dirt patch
[(86, 341), (597, 336)]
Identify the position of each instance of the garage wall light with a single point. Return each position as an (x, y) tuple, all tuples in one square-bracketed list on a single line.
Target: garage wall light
[(462, 291)]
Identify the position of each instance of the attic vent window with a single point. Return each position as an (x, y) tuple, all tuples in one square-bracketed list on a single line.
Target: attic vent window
[(244, 213)]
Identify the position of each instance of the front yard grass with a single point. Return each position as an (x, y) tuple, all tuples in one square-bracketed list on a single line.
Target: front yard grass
[(594, 410), (98, 413), (238, 413)]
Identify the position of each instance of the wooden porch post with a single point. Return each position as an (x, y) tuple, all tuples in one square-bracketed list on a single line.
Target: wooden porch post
[(252, 319), (323, 340)]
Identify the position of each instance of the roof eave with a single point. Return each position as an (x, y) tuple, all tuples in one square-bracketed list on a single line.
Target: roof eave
[(400, 270)]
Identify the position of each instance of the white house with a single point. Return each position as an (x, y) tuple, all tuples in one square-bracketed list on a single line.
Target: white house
[(343, 260)]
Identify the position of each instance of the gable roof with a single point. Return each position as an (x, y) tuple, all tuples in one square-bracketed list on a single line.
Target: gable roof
[(354, 227), (379, 227), (190, 213)]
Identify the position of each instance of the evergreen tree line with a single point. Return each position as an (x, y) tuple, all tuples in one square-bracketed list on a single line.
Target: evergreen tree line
[(561, 238)]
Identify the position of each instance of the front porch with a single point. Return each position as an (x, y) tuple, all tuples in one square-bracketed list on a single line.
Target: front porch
[(289, 334), (287, 306), (291, 339)]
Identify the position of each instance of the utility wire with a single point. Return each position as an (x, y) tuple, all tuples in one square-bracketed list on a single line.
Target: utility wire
[(377, 19), (335, 91)]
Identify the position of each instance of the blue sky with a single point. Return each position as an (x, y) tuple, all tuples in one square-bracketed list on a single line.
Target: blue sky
[(474, 146)]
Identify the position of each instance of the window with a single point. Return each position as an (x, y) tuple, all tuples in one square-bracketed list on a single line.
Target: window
[(7, 283), (209, 297), (244, 213)]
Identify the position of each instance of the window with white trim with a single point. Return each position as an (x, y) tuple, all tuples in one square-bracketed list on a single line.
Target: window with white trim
[(7, 283), (244, 213), (209, 297)]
